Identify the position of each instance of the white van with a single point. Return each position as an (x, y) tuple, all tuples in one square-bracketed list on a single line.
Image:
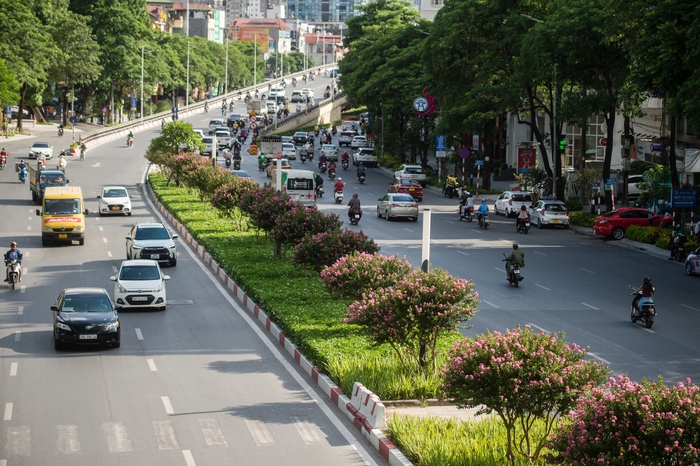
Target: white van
[(299, 185)]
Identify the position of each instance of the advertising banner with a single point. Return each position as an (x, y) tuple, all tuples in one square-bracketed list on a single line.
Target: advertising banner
[(526, 159)]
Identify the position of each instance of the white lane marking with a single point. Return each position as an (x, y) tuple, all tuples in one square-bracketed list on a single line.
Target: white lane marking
[(189, 460), (3, 462), (68, 439), (96, 165), (689, 307), (100, 228), (212, 433), (23, 289), (586, 270), (152, 365), (260, 433), (408, 230), (109, 254), (29, 218), (543, 287), (309, 432), (539, 328), (592, 307), (19, 442), (499, 269), (540, 253), (114, 268), (167, 405), (8, 412), (139, 335), (647, 330), (29, 228), (117, 438), (490, 303), (463, 253), (450, 221), (20, 310), (604, 361), (18, 335), (13, 369), (104, 240), (165, 435), (330, 414)]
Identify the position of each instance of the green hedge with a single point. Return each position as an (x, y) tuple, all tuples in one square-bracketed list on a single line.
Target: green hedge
[(660, 237), (584, 219), (298, 303)]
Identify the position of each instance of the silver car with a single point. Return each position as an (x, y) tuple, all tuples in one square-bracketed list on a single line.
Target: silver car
[(151, 241), (140, 284), (394, 205), (552, 213), (41, 148)]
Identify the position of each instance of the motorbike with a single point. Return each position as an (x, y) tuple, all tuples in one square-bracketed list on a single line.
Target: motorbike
[(316, 132), (331, 174), (345, 164), (646, 314), (3, 161), (312, 77), (514, 277), (449, 191), (40, 165), (237, 164), (678, 249), (261, 166), (355, 215), (13, 273), (522, 225), (23, 175), (129, 142), (338, 196), (319, 191), (228, 162), (294, 82), (468, 215), (302, 156), (323, 167), (230, 106), (361, 178), (334, 131), (60, 132), (483, 221), (206, 108), (61, 163)]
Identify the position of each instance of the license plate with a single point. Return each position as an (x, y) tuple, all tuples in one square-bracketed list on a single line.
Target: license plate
[(155, 256), (88, 337), (116, 207), (411, 189), (139, 298), (357, 215), (555, 221), (62, 236)]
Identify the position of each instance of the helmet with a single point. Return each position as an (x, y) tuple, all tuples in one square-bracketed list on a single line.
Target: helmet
[(340, 179), (678, 227), (483, 201), (515, 245), (13, 244), (647, 280)]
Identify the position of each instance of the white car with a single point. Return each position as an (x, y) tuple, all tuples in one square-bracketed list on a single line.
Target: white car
[(365, 156), (41, 148), (140, 284), (510, 202), (412, 172), (199, 132), (271, 106), (307, 92), (223, 139), (289, 151), (359, 141), (330, 151), (114, 200), (213, 124), (208, 141)]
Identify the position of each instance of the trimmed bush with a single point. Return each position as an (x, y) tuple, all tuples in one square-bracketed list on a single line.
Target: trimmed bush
[(263, 207), (574, 205), (295, 223), (324, 249), (360, 272), (584, 219)]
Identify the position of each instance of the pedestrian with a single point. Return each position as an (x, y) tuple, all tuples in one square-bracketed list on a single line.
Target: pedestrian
[(696, 230)]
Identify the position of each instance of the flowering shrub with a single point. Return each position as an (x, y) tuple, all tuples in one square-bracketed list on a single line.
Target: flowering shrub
[(206, 179), (263, 207), (625, 422), (323, 249), (227, 198), (413, 313), (182, 164), (361, 272), (523, 377), (298, 221)]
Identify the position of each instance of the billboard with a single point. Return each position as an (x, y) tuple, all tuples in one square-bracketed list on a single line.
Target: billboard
[(259, 35), (526, 159)]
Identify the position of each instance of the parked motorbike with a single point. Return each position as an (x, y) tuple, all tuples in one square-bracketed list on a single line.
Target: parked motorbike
[(319, 191), (345, 164), (13, 273), (338, 196), (468, 215), (514, 276), (23, 175), (355, 215), (237, 164), (522, 225), (646, 314), (483, 221), (129, 142)]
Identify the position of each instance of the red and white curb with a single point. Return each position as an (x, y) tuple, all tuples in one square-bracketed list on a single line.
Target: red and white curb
[(364, 409)]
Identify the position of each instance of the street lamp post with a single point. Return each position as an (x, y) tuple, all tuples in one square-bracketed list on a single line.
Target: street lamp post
[(227, 38), (143, 51), (187, 87)]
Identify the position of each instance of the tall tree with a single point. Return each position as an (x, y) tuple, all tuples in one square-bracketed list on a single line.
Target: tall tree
[(9, 87)]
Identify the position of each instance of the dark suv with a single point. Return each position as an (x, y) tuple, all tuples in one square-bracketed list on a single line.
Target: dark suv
[(151, 241)]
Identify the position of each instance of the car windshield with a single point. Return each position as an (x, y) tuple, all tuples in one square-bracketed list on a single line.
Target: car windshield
[(114, 193), (61, 206), (522, 198), (41, 145), (403, 198), (328, 147), (139, 272), (405, 181), (54, 180), (86, 304), (555, 208), (286, 145), (223, 135), (413, 170), (151, 233)]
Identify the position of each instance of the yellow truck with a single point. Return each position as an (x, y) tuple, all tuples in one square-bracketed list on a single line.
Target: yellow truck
[(62, 215)]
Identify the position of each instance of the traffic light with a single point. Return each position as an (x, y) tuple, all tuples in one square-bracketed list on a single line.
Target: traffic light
[(562, 144)]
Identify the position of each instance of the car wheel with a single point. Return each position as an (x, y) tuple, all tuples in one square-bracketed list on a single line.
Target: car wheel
[(44, 242), (81, 241), (58, 345), (162, 309), (566, 227), (618, 233), (117, 344), (173, 262), (386, 212), (379, 214), (539, 223)]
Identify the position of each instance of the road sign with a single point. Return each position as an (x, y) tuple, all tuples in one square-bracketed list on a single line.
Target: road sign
[(253, 149), (252, 114), (279, 154), (603, 141), (253, 125), (684, 198), (8, 110), (478, 162), (464, 152), (440, 154), (440, 144), (420, 104), (610, 180)]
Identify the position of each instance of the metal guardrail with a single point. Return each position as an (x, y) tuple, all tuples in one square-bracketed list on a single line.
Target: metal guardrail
[(196, 107), (269, 129)]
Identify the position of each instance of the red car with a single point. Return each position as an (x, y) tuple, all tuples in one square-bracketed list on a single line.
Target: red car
[(407, 186), (615, 223)]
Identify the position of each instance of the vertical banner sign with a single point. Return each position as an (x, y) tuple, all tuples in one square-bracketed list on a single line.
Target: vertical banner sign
[(526, 159), (475, 142)]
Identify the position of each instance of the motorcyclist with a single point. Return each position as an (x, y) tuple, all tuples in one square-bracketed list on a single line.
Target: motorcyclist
[(21, 166), (3, 153), (60, 130), (483, 209), (360, 170), (354, 204), (322, 159), (40, 161), (61, 162), (262, 160), (467, 203), (450, 185), (319, 183), (345, 157), (516, 257), (338, 186), (3, 157), (331, 166), (522, 215), (13, 254), (643, 294), (130, 137), (206, 107), (227, 155), (677, 240)]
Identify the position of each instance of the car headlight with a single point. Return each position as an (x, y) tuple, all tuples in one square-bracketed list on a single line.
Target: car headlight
[(121, 289), (63, 326), (113, 327), (158, 288), (170, 246), (46, 229), (136, 246), (80, 228)]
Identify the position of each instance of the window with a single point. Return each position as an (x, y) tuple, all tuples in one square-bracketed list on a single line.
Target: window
[(297, 184)]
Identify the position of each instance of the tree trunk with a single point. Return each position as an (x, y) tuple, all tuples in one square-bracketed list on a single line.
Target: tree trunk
[(64, 98), (610, 124), (20, 109), (672, 156)]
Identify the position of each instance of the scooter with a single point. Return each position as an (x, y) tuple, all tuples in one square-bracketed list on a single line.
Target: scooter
[(23, 175), (331, 174), (678, 249), (261, 166), (302, 156), (468, 216), (237, 164), (13, 273), (319, 191), (129, 142), (338, 196), (483, 221), (522, 225), (345, 164), (646, 314), (514, 277), (3, 161), (60, 132), (355, 215), (361, 178), (323, 167), (228, 162)]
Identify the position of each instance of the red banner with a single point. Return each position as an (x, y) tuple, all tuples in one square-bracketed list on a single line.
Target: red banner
[(526, 160)]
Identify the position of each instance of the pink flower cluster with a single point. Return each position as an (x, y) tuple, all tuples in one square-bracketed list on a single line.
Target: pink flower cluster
[(352, 275), (323, 249)]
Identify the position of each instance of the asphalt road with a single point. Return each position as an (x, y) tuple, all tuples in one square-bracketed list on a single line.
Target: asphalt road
[(198, 384)]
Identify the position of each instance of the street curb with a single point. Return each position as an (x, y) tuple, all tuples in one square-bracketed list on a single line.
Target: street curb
[(368, 402), (648, 249)]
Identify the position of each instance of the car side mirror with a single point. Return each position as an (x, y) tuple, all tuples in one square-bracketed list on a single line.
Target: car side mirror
[(128, 237), (99, 197), (38, 212), (175, 236), (166, 277), (113, 278), (86, 212), (54, 308)]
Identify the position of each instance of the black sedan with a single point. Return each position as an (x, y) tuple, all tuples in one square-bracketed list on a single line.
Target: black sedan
[(300, 138), (85, 316)]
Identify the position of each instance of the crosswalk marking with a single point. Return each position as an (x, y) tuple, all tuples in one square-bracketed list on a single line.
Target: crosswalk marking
[(8, 412), (309, 432), (261, 434), (212, 433), (68, 442), (117, 438), (18, 441), (165, 435), (189, 460)]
